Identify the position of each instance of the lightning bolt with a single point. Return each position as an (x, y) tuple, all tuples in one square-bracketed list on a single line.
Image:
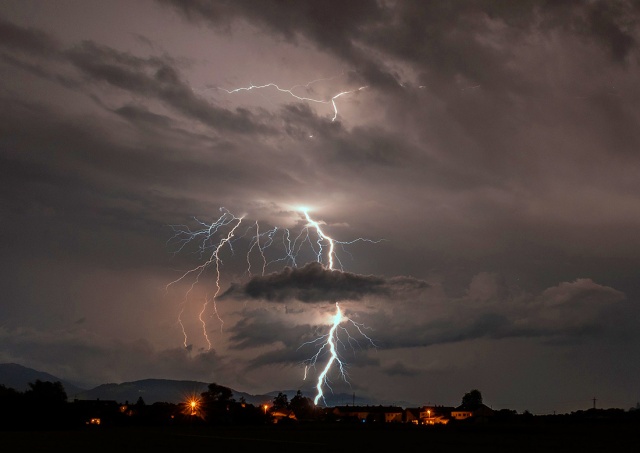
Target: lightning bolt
[(186, 236), (288, 248), (333, 355), (331, 340), (290, 92), (321, 237), (330, 343)]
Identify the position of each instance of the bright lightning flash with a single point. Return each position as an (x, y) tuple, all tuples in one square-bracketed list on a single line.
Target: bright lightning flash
[(276, 246), (331, 341)]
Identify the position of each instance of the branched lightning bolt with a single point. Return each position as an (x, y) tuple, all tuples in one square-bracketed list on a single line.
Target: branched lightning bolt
[(321, 237), (207, 233), (331, 340), (290, 92), (333, 354), (211, 238)]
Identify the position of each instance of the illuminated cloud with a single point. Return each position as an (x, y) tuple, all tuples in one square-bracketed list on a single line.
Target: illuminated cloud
[(495, 150)]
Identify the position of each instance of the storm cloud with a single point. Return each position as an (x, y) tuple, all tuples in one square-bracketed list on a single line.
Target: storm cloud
[(313, 283), (491, 159)]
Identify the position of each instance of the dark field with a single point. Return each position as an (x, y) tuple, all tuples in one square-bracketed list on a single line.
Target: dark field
[(331, 438)]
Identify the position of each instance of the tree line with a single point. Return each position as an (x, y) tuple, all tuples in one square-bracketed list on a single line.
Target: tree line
[(45, 405)]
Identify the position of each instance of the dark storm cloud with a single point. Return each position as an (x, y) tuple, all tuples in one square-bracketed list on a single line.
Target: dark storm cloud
[(314, 283), (70, 151), (71, 167), (471, 58), (253, 330), (28, 40), (143, 117), (33, 51), (361, 147), (494, 148), (612, 22), (400, 369), (421, 32), (333, 26), (152, 77), (156, 78), (64, 171), (568, 312)]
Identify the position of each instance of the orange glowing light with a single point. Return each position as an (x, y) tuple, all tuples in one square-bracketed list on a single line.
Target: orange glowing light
[(192, 406)]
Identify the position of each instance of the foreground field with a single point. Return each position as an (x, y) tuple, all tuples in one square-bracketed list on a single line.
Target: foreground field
[(329, 438)]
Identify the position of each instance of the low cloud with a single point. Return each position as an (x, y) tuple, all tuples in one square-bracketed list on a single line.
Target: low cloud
[(313, 283), (490, 310)]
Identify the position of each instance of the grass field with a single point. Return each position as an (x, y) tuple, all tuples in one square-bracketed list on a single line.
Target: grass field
[(329, 438)]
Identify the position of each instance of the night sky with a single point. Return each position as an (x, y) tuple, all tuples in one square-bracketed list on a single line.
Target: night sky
[(489, 150)]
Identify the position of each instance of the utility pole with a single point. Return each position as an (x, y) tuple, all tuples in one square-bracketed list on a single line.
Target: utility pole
[(594, 402)]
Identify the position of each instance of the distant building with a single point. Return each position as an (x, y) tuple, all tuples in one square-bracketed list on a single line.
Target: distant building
[(435, 415), (464, 412), (278, 415), (370, 414), (412, 415), (95, 412)]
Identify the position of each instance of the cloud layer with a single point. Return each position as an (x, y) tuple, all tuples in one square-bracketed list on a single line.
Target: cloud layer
[(314, 283), (494, 149)]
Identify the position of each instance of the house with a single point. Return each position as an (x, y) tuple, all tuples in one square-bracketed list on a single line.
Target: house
[(435, 415), (480, 411), (412, 415), (278, 415), (95, 412), (370, 414)]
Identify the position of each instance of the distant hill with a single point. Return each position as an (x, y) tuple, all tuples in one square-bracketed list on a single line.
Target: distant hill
[(159, 390), (18, 378), (171, 391), (152, 391)]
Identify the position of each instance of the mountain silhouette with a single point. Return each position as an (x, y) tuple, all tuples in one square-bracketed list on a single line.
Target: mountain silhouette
[(152, 391), (18, 378)]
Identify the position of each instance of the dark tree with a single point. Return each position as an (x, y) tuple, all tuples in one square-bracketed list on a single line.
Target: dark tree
[(46, 393), (302, 406), (218, 404), (473, 399), (8, 396), (12, 408), (218, 393), (45, 405), (281, 401)]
